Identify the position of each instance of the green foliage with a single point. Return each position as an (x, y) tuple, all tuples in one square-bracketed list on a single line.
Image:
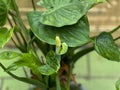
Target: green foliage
[(66, 12), (117, 85), (52, 64), (106, 47), (3, 13), (57, 31), (74, 35), (9, 55), (5, 35)]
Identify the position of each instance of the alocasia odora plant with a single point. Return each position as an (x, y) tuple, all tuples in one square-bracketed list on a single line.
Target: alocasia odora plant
[(57, 31)]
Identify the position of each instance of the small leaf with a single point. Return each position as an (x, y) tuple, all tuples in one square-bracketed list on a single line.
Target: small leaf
[(106, 47), (66, 12), (74, 35), (8, 55), (46, 70), (52, 64), (25, 59), (5, 35)]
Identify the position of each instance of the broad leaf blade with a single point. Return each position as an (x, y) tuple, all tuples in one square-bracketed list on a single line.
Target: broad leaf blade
[(106, 47), (64, 12), (74, 35), (5, 35)]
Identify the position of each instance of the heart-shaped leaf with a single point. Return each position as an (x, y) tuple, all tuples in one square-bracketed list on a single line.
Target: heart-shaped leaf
[(5, 35), (64, 12), (106, 47), (74, 35)]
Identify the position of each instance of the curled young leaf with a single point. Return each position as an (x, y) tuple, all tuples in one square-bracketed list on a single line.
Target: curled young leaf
[(106, 47)]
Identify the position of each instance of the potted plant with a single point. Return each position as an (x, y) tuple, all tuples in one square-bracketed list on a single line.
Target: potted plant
[(58, 36)]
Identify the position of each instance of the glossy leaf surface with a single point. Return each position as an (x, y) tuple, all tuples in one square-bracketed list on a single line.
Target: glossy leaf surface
[(74, 35), (106, 47), (64, 12)]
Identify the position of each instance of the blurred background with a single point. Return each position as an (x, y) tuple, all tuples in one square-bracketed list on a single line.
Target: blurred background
[(92, 71)]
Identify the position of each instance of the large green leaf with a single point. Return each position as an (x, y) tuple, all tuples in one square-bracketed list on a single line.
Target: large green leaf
[(52, 64), (106, 47), (64, 12), (3, 13), (74, 35), (5, 35)]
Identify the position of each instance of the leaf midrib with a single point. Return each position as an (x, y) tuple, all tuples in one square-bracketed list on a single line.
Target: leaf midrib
[(57, 8)]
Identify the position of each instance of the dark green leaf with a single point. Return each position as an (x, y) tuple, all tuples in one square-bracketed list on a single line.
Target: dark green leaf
[(74, 35), (5, 35), (64, 12), (3, 13), (106, 47), (52, 64), (8, 55), (9, 4)]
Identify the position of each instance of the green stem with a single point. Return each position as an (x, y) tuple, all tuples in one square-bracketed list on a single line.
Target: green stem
[(69, 76), (17, 37), (21, 34), (26, 80), (115, 29), (33, 4), (117, 38), (58, 87), (81, 53), (20, 20), (25, 72)]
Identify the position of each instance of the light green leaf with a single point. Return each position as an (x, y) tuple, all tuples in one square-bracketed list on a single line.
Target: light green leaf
[(5, 35), (9, 55), (52, 64), (117, 85), (26, 59), (46, 70), (106, 47), (74, 35), (64, 12)]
